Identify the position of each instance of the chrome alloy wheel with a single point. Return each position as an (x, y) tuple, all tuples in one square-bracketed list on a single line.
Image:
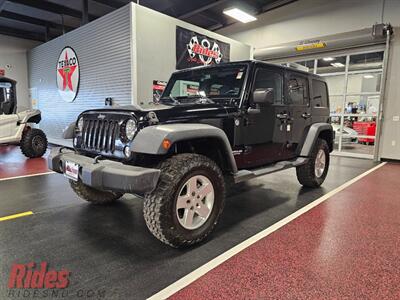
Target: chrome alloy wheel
[(320, 163), (195, 202)]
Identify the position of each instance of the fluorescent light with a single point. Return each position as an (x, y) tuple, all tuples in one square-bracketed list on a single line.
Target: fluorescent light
[(337, 65), (369, 76), (328, 58), (239, 15)]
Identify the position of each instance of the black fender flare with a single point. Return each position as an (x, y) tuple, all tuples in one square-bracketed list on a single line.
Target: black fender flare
[(311, 138), (149, 140), (69, 131)]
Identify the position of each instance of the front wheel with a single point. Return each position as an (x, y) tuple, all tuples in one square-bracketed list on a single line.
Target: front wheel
[(314, 172), (187, 202)]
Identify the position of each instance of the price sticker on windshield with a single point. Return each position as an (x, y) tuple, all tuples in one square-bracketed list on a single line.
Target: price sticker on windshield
[(239, 75)]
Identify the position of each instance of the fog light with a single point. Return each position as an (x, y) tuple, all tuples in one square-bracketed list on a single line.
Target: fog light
[(127, 151)]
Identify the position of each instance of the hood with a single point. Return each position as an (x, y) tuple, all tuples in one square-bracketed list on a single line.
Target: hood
[(177, 113)]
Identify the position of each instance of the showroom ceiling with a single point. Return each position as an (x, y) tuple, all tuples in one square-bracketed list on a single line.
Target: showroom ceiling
[(43, 20)]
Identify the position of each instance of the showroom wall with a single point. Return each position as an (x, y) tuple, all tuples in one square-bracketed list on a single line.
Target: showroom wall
[(13, 60), (104, 49), (120, 55), (307, 19), (156, 48)]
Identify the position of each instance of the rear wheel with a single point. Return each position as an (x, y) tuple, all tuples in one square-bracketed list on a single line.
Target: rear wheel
[(314, 172), (33, 143), (92, 195), (187, 202)]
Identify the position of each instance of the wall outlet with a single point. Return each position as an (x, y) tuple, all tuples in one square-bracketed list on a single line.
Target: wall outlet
[(393, 143), (396, 118)]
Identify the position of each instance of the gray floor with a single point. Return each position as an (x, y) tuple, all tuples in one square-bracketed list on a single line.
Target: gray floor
[(109, 249)]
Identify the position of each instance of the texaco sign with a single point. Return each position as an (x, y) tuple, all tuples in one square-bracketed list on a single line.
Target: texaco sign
[(68, 74)]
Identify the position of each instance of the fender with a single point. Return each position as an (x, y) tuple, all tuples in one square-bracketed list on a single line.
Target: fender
[(312, 136), (149, 140), (30, 116), (69, 131)]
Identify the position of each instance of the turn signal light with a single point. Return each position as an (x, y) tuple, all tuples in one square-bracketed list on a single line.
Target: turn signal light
[(166, 144)]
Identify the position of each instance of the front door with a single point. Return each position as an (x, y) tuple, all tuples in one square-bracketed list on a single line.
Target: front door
[(298, 100), (263, 128)]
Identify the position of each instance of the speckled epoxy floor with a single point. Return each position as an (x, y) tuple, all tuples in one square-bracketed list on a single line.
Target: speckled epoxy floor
[(14, 163), (110, 248), (346, 248)]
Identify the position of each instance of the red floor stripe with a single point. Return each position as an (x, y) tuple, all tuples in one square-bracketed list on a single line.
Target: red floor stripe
[(14, 163), (346, 248)]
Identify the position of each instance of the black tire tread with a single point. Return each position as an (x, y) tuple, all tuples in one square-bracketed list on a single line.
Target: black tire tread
[(93, 195), (26, 143), (156, 214), (306, 173)]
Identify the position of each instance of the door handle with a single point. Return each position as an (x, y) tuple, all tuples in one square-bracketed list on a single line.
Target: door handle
[(306, 115)]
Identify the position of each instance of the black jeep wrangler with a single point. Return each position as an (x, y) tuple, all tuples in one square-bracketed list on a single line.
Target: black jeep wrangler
[(214, 126)]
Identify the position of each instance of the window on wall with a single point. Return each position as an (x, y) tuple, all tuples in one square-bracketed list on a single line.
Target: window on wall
[(366, 61), (298, 89), (364, 83), (266, 79), (306, 65), (330, 64)]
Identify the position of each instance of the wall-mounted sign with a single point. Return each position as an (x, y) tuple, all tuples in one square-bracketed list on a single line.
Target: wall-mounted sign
[(2, 72), (158, 89), (194, 49), (310, 44), (68, 74)]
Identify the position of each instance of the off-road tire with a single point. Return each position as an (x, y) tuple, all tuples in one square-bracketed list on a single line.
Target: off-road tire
[(33, 143), (159, 206), (306, 173), (92, 195)]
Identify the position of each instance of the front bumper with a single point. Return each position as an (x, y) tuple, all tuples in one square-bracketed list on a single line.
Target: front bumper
[(106, 174)]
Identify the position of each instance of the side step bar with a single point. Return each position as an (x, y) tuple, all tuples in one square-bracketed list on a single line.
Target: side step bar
[(244, 175)]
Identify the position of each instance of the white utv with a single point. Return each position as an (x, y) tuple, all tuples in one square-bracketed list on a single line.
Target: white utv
[(14, 127)]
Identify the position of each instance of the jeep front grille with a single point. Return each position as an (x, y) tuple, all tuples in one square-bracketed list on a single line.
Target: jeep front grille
[(100, 135)]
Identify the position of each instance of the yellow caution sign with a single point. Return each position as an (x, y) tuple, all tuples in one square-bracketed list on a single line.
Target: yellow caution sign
[(305, 47)]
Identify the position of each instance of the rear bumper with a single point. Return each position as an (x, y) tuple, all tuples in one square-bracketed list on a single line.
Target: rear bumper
[(106, 174)]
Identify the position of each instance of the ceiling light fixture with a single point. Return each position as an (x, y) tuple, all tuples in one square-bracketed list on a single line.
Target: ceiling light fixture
[(369, 76), (239, 15), (337, 65), (328, 59)]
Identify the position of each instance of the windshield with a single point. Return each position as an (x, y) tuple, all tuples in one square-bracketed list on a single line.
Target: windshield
[(212, 84)]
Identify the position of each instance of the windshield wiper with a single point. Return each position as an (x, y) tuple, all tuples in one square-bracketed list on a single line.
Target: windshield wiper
[(170, 99)]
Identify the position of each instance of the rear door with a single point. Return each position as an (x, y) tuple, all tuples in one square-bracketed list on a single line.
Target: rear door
[(298, 101)]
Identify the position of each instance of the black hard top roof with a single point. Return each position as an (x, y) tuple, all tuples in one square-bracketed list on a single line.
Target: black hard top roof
[(253, 62)]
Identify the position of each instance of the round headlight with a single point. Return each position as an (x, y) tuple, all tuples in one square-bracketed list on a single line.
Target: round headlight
[(80, 124), (130, 129)]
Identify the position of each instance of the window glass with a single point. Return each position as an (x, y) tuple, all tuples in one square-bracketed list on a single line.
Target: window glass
[(366, 61), (219, 83), (266, 79), (331, 65), (364, 83), (335, 84), (362, 104), (336, 105), (306, 65), (320, 94), (298, 89)]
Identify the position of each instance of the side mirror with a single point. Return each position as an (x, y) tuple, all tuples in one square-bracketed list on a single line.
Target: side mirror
[(264, 96)]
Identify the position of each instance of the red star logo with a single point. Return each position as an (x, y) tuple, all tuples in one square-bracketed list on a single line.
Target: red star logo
[(66, 74)]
